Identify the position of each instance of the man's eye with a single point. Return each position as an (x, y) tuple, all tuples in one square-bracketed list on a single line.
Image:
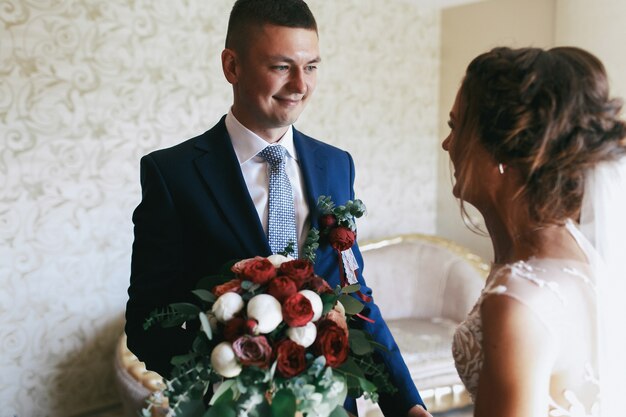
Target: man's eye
[(310, 68), (280, 67)]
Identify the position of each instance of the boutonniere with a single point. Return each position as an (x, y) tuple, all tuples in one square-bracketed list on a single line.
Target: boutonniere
[(338, 229)]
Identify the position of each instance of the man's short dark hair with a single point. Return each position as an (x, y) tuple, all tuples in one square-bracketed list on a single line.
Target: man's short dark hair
[(249, 14)]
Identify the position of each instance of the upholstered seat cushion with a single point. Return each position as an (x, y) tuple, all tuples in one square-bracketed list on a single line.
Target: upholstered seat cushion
[(425, 346)]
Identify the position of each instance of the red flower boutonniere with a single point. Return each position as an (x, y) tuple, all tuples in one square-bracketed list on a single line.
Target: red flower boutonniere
[(338, 228)]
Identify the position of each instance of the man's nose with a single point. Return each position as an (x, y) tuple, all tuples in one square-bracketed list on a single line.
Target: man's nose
[(297, 82)]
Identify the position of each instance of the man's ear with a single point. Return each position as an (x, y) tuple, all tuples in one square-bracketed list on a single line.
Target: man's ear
[(229, 65)]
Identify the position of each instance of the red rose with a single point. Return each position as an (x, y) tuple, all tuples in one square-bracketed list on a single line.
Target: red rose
[(281, 288), (327, 221), (290, 358), (341, 238), (332, 342), (234, 285), (253, 351), (257, 270), (234, 328), (299, 271), (297, 310), (318, 285), (236, 268)]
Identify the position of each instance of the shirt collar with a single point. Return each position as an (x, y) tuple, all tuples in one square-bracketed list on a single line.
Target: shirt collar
[(248, 144)]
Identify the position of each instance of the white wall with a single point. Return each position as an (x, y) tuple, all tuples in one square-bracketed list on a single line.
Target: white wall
[(86, 88), (600, 27)]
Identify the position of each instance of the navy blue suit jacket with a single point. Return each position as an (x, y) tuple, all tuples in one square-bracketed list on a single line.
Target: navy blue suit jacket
[(196, 214)]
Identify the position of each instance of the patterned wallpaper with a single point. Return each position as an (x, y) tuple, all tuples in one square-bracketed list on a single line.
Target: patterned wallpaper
[(88, 86)]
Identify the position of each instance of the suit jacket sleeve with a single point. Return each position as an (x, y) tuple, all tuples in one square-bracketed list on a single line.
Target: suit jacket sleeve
[(407, 395), (156, 273)]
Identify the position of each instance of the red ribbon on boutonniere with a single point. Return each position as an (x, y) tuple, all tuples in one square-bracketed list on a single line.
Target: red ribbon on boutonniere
[(338, 226)]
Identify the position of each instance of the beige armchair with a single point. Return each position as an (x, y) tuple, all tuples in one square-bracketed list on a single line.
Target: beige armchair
[(424, 285), (135, 384)]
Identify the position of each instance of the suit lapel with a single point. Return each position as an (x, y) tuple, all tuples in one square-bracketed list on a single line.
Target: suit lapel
[(313, 168), (220, 170)]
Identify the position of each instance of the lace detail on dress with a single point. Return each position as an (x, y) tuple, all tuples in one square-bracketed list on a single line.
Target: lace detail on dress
[(524, 270), (507, 280)]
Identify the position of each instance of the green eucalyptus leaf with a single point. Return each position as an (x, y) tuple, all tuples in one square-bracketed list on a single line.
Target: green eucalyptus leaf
[(350, 368), (283, 403), (348, 289), (206, 327), (379, 346), (187, 309), (366, 385), (201, 345), (224, 390), (351, 304), (205, 295), (359, 343), (182, 359), (328, 302)]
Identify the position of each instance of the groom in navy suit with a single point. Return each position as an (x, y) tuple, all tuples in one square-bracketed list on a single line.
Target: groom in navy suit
[(205, 201)]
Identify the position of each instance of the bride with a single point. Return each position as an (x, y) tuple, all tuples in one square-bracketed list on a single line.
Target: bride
[(538, 148)]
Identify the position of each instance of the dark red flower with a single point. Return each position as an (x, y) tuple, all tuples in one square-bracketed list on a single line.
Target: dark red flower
[(298, 270), (290, 358), (318, 285), (257, 270), (341, 238), (234, 328), (327, 221), (297, 310), (332, 342), (281, 288)]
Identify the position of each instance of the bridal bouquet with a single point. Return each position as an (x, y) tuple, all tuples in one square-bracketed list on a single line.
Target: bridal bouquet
[(274, 339)]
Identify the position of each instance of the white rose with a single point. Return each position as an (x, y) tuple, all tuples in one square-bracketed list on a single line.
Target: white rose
[(266, 310), (277, 260), (227, 305), (304, 335), (223, 360), (316, 303)]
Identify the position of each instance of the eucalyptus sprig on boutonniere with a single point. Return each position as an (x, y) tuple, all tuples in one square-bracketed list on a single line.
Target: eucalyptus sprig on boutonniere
[(334, 218)]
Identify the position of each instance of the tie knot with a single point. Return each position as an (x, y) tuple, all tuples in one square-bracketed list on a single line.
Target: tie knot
[(274, 154)]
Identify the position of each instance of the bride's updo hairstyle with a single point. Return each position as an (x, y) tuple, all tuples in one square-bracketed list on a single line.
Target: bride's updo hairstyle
[(549, 115)]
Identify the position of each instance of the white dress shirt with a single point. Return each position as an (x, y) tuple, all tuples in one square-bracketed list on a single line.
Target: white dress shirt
[(255, 170)]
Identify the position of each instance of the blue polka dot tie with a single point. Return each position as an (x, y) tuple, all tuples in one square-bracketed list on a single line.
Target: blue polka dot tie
[(281, 229)]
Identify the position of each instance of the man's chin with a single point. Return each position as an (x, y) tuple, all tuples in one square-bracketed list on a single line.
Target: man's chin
[(288, 119)]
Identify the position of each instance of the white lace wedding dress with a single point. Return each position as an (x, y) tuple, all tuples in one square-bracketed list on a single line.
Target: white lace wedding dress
[(561, 295)]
